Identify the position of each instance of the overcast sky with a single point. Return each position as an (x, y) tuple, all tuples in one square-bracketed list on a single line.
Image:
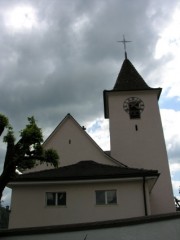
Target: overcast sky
[(57, 57)]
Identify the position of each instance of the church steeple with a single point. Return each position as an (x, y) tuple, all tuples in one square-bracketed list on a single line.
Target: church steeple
[(129, 79), (136, 133)]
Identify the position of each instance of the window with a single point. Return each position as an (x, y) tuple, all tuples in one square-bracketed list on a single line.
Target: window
[(56, 198), (106, 197)]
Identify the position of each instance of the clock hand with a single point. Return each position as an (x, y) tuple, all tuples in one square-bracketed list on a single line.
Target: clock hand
[(133, 104)]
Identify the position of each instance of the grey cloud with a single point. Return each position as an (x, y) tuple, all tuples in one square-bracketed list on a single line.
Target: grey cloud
[(174, 152)]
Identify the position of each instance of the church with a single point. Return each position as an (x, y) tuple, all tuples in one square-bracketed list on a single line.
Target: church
[(90, 185)]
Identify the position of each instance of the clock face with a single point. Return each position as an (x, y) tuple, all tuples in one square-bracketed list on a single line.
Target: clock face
[(133, 106)]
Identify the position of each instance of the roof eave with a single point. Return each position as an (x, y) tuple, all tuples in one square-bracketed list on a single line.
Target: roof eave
[(73, 180)]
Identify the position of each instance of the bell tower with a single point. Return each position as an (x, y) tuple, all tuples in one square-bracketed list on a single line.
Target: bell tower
[(136, 133)]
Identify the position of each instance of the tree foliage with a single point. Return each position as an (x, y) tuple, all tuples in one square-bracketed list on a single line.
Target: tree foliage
[(25, 153), (3, 123)]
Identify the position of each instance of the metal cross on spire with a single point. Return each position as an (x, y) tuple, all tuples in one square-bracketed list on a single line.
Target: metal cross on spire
[(124, 41)]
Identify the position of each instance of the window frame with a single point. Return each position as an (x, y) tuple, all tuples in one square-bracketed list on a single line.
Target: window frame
[(56, 201), (106, 201)]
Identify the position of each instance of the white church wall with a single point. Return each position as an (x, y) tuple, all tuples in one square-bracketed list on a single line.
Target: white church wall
[(72, 145), (80, 207), (140, 143)]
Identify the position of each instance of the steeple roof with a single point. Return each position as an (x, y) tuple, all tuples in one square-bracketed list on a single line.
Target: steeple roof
[(129, 79)]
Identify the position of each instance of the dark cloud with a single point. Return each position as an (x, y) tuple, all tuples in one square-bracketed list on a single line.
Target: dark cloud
[(63, 63)]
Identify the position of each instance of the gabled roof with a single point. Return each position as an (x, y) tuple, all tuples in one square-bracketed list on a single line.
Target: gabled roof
[(69, 116), (85, 170)]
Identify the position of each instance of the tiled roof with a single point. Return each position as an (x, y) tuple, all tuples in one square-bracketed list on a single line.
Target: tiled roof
[(129, 79), (85, 170)]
